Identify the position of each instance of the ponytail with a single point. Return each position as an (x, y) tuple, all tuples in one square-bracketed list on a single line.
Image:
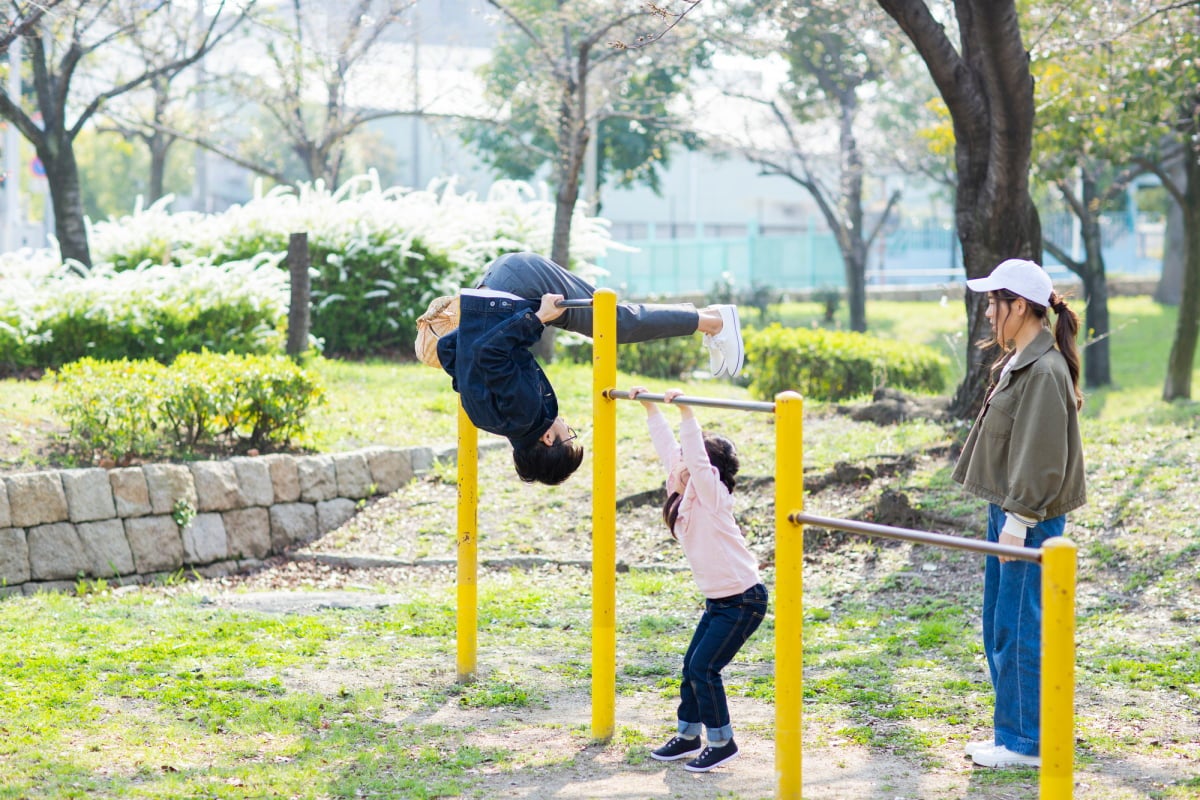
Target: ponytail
[(1066, 329)]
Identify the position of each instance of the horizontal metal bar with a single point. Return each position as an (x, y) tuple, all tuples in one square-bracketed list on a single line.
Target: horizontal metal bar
[(921, 537), (582, 303), (686, 400)]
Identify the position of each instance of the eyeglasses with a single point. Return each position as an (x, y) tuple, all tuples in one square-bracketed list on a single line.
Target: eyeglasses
[(571, 436)]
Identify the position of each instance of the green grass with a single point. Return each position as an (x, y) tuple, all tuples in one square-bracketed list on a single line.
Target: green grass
[(159, 693)]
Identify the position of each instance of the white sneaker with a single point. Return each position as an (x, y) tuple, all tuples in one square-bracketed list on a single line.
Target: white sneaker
[(716, 359), (1000, 756), (971, 748), (729, 342)]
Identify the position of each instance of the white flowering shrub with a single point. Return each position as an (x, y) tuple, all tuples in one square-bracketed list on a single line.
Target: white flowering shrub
[(379, 255), (51, 314), (167, 283)]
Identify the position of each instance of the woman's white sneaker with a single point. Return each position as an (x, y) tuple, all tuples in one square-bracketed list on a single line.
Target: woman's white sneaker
[(1000, 756)]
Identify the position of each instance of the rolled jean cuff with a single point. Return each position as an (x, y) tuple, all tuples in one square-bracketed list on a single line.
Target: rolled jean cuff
[(721, 734), (690, 729)]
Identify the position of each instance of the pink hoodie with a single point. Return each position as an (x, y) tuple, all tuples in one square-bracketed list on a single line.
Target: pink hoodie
[(714, 545)]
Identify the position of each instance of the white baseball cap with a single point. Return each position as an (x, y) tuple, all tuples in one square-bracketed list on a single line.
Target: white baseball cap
[(1019, 276)]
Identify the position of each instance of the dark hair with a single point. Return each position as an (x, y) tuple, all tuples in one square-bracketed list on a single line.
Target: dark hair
[(722, 455), (550, 464), (1066, 329)]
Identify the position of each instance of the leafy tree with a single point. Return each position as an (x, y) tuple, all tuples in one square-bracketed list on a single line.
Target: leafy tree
[(315, 51), (836, 63), (1162, 90), (1082, 139), (17, 19), (631, 150), (88, 39), (555, 78), (987, 87)]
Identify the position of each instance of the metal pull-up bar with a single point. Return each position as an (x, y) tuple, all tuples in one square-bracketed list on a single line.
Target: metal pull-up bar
[(583, 303), (921, 537), (686, 400)]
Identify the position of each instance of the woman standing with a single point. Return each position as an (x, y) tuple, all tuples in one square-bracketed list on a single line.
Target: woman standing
[(1024, 455)]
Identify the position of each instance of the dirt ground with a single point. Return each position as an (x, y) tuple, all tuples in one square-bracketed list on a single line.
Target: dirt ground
[(400, 540)]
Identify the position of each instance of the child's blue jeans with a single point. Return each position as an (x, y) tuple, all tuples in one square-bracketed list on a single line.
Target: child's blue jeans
[(1012, 635), (725, 626)]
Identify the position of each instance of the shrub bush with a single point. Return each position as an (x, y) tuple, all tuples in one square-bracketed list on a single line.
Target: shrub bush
[(50, 315), (837, 365), (206, 401), (669, 359)]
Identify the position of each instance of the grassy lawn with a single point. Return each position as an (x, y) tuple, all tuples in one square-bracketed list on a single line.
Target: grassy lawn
[(182, 690)]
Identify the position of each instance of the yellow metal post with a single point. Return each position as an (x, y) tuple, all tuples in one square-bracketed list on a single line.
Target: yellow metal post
[(604, 514), (789, 593), (468, 545), (1059, 557)]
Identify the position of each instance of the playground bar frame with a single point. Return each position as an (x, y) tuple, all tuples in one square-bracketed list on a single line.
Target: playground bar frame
[(1058, 558)]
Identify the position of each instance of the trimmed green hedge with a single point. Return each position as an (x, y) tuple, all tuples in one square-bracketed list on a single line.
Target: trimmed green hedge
[(837, 365), (203, 401)]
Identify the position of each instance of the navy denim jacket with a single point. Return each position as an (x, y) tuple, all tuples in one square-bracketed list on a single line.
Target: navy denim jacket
[(503, 389)]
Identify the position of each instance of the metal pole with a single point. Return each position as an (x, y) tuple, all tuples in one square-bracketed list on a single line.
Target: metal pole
[(789, 594), (1058, 669), (604, 516), (468, 545), (921, 537), (687, 400)]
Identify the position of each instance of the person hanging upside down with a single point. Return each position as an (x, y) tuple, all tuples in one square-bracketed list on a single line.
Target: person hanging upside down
[(503, 389)]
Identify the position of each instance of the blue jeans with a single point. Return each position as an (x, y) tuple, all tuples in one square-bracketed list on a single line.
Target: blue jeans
[(1012, 636), (725, 626)]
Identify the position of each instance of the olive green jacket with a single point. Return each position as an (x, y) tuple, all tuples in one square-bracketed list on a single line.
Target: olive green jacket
[(1024, 451)]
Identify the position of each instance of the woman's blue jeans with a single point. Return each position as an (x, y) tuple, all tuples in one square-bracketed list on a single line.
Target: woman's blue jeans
[(724, 627), (1012, 636)]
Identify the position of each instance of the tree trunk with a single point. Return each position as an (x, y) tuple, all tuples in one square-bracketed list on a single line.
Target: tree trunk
[(159, 146), (66, 197), (855, 254), (1096, 362), (1170, 285), (1178, 385), (988, 90)]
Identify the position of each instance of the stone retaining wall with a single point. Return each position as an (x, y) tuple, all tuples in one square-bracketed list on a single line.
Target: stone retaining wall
[(121, 524)]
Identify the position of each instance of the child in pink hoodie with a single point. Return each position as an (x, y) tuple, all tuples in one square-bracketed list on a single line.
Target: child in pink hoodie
[(699, 513)]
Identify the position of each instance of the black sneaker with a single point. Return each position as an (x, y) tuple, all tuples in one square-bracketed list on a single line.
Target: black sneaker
[(712, 757), (676, 749)]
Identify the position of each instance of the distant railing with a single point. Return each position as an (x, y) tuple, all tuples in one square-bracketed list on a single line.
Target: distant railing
[(679, 261)]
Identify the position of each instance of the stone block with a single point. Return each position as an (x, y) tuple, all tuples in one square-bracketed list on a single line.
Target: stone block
[(55, 553), (106, 548), (130, 492), (390, 467), (249, 532), (89, 495), (5, 518), (216, 486), (334, 513), (205, 539), (420, 459), (292, 523), (285, 478), (155, 541), (168, 483), (353, 475), (254, 482), (318, 478), (36, 498), (14, 556)]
